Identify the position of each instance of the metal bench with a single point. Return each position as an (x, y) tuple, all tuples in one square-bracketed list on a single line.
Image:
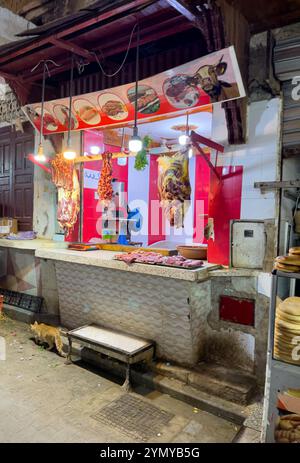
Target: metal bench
[(123, 347)]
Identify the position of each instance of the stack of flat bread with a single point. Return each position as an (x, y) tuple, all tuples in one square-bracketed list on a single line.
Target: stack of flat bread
[(287, 331), (290, 263)]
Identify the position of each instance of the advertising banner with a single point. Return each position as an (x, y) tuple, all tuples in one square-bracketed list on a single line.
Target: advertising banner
[(207, 80)]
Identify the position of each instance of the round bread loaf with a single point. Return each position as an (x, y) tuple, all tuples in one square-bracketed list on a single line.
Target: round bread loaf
[(285, 358), (284, 348), (288, 328), (289, 260), (290, 306), (287, 318), (287, 267), (280, 334), (294, 251), (285, 353)]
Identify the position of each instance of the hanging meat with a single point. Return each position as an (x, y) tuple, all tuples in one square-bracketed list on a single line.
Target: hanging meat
[(65, 177), (174, 187), (69, 205), (62, 172), (105, 190)]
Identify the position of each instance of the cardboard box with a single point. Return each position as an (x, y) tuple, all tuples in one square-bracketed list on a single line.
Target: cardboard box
[(8, 225)]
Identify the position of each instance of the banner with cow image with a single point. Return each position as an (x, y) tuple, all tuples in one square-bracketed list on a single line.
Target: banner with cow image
[(210, 79)]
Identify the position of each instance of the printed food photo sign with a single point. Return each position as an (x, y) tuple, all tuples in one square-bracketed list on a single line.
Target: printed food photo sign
[(210, 79)]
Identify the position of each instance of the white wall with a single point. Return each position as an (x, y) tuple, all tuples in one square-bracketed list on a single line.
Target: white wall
[(44, 198), (259, 156), (44, 202), (12, 24)]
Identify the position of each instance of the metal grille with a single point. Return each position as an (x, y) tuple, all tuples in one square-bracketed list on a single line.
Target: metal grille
[(287, 66), (134, 417), (21, 300), (10, 110)]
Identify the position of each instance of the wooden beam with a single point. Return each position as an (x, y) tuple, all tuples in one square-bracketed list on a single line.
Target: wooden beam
[(72, 47), (183, 9), (99, 157), (173, 26), (8, 76), (206, 159), (277, 185), (272, 22), (75, 28), (195, 137)]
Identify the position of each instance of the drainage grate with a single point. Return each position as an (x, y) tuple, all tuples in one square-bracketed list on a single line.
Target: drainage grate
[(134, 416)]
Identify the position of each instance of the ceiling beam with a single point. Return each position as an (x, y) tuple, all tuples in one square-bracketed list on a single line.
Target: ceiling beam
[(8, 76), (272, 22), (183, 9), (149, 34), (96, 19), (72, 47)]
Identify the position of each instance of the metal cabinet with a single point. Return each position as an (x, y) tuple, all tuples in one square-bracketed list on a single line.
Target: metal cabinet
[(248, 243)]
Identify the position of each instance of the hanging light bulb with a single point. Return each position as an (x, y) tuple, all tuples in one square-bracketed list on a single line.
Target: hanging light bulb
[(122, 161), (40, 156), (95, 150), (69, 153), (183, 139), (135, 143)]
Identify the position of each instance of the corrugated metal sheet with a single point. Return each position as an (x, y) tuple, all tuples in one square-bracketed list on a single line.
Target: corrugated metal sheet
[(287, 66), (291, 116), (287, 58)]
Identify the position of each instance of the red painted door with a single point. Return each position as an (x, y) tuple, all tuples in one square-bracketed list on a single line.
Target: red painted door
[(224, 205)]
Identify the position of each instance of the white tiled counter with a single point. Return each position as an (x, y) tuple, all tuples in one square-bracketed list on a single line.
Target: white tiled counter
[(167, 305), (176, 308)]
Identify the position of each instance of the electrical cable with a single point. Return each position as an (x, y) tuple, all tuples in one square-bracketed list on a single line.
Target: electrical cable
[(45, 68), (70, 101), (124, 60), (137, 68)]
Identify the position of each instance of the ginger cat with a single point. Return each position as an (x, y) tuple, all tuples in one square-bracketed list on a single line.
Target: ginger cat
[(48, 334)]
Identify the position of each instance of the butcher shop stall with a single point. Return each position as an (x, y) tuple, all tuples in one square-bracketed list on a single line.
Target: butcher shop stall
[(161, 239), (148, 222)]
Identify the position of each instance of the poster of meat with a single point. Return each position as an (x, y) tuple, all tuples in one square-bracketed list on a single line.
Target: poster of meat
[(207, 80)]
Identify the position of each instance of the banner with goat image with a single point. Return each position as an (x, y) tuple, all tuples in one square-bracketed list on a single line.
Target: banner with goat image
[(211, 79)]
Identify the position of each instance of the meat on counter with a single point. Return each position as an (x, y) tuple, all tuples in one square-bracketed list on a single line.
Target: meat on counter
[(156, 258)]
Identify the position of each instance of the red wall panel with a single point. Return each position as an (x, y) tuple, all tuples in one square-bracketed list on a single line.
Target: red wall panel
[(202, 180), (155, 214), (237, 310)]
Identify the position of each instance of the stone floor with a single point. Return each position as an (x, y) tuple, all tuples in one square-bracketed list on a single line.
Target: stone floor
[(44, 400)]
